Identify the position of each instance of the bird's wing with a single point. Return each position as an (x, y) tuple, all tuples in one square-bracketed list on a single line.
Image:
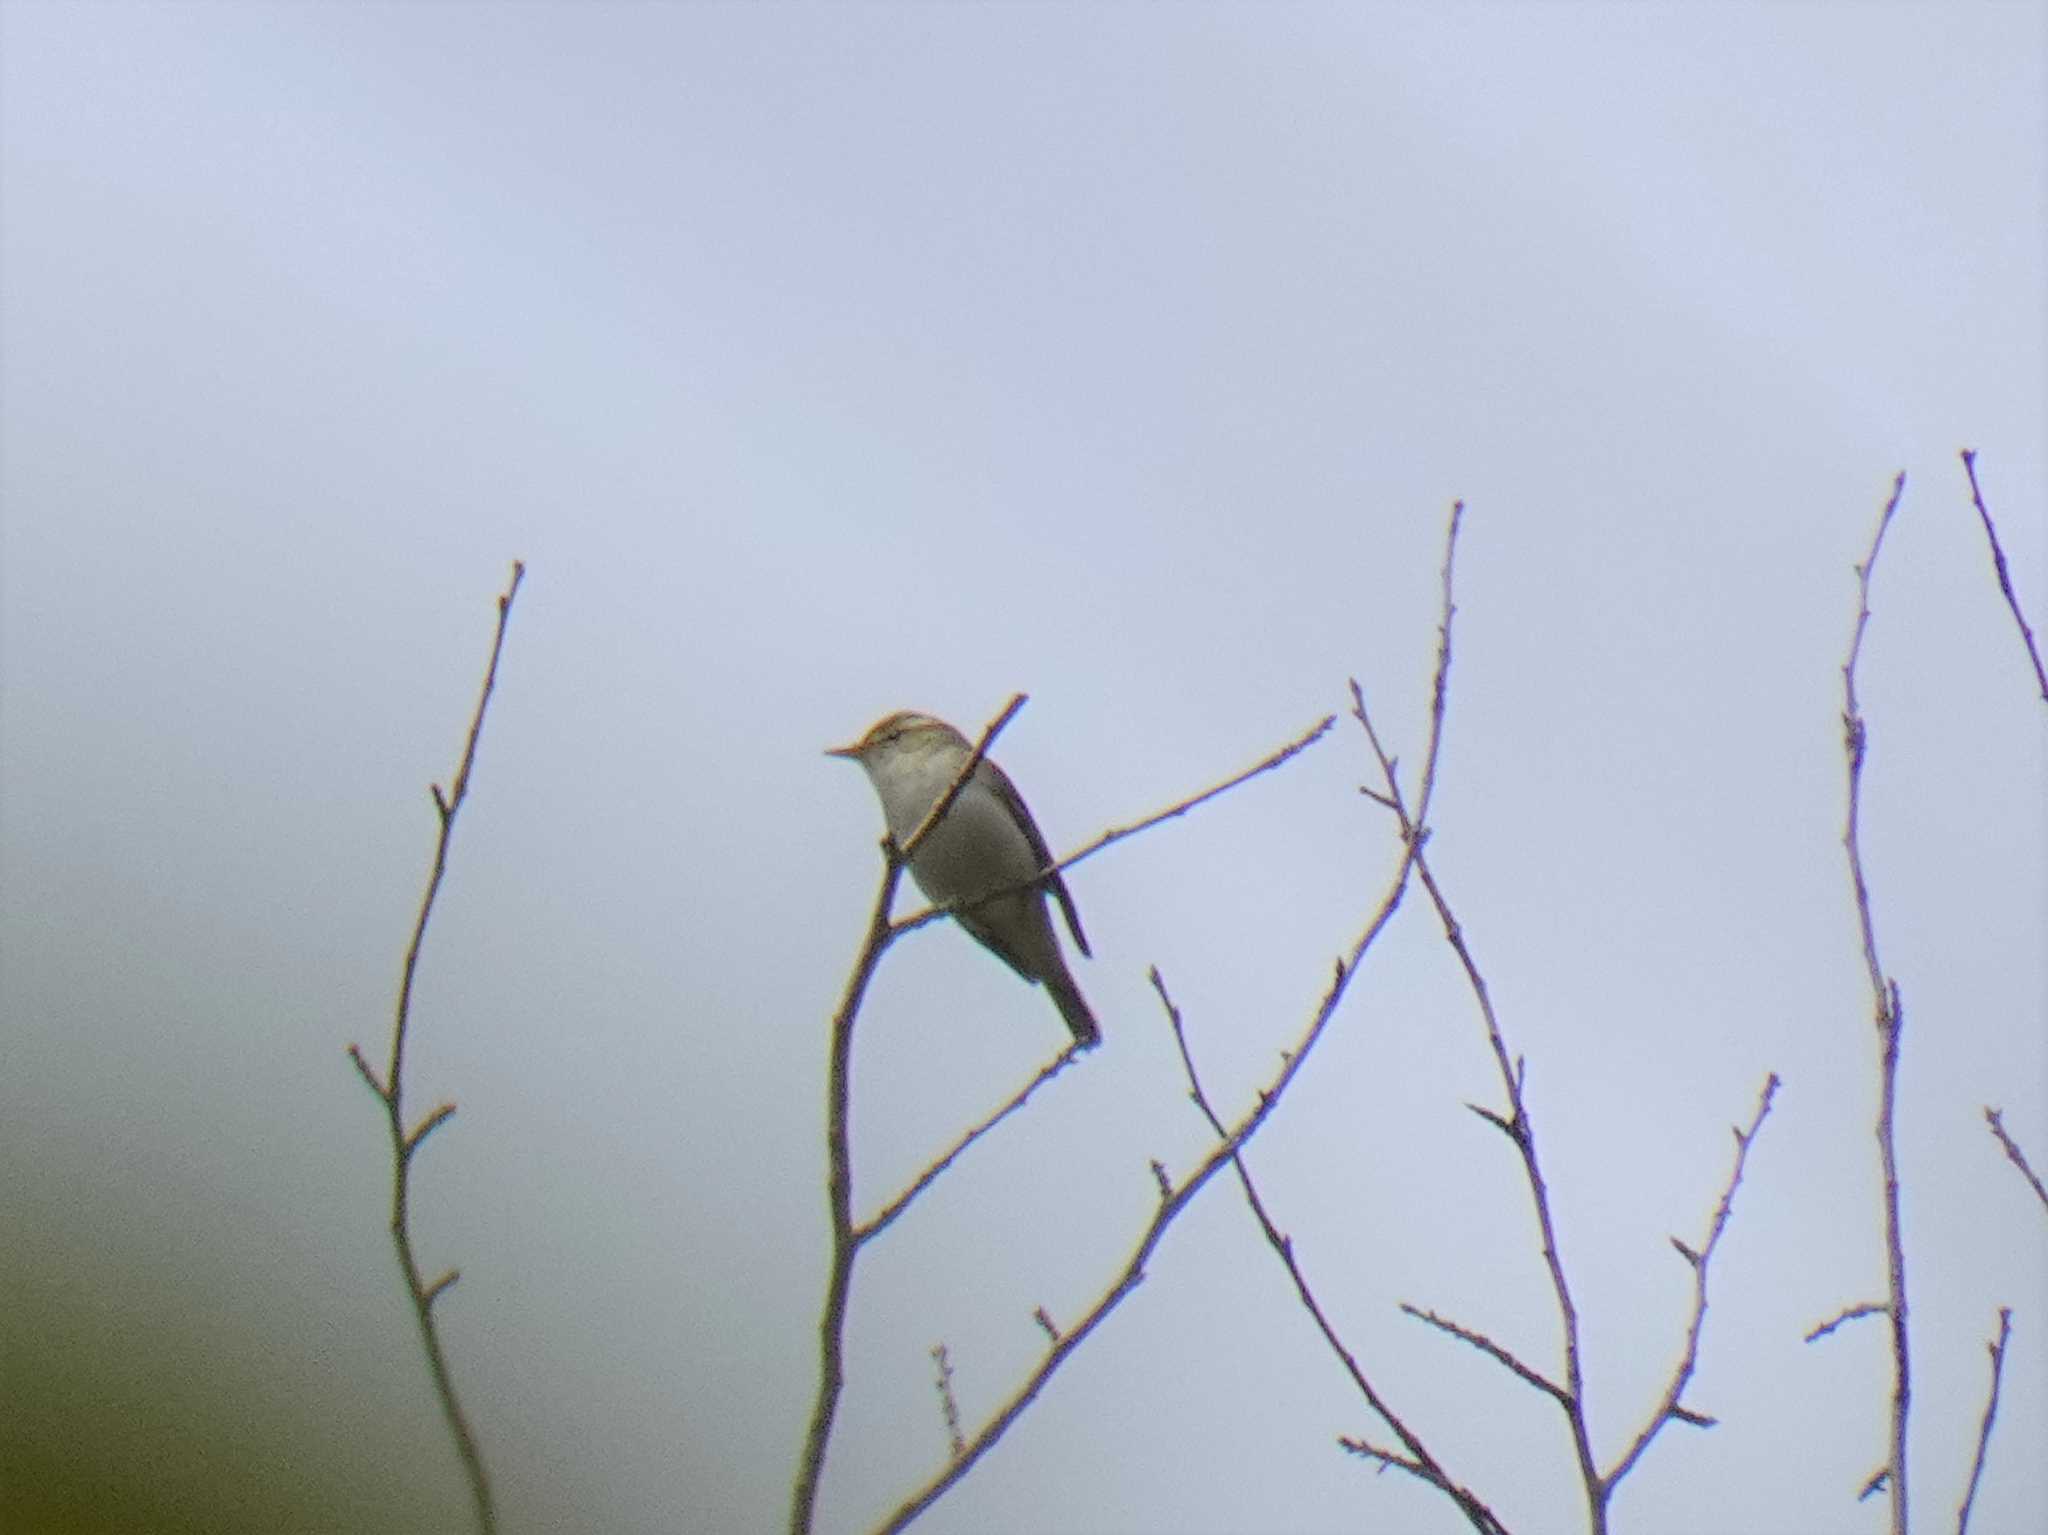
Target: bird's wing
[(1014, 802)]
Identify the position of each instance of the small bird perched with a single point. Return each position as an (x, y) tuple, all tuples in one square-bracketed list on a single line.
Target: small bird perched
[(986, 842)]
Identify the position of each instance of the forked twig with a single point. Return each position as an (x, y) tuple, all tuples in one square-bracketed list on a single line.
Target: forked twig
[(1517, 1126), (1670, 1409), (1516, 1123), (390, 1091)]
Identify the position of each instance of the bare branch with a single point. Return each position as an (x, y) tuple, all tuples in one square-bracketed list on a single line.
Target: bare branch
[(1996, 1117), (1498, 1353), (924, 1180), (391, 1091), (1668, 1408), (369, 1076), (1997, 1350), (1419, 1462), (1516, 1124), (839, 1201), (1387, 1460), (1287, 753), (1518, 1127), (1890, 1019), (2004, 576), (1180, 807), (1847, 1314)]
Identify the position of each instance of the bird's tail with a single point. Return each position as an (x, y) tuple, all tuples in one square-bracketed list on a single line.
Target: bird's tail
[(1067, 997)]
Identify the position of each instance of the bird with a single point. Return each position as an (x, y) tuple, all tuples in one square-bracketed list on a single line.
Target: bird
[(986, 845)]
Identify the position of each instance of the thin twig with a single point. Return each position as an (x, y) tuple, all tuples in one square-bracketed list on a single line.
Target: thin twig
[(1847, 1314), (1287, 753), (1418, 1462), (1669, 1408), (1890, 1019), (1181, 807), (1498, 1353), (2004, 576), (2018, 1158), (391, 1093), (1521, 1131), (1997, 1348), (876, 1223)]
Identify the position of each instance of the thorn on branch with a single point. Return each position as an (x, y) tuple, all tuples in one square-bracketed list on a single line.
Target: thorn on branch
[(1879, 1480), (440, 801), (1159, 1174), (1045, 1321), (1696, 1419), (1686, 1252), (433, 1291)]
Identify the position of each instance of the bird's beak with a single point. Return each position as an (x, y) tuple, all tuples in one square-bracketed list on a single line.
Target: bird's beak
[(851, 753)]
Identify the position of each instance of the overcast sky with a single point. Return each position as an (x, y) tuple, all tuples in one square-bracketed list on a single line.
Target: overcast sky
[(826, 361)]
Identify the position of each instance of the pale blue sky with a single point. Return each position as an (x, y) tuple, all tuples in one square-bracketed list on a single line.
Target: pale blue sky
[(825, 361)]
